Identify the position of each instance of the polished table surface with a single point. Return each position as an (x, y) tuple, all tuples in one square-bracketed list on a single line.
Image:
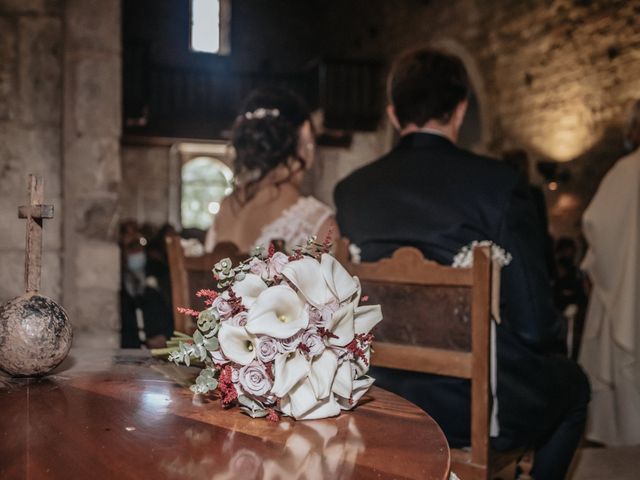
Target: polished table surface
[(120, 414)]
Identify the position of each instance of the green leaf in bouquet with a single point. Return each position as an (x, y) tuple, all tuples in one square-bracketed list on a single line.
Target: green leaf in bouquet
[(205, 382), (208, 320), (198, 338), (211, 344), (251, 407)]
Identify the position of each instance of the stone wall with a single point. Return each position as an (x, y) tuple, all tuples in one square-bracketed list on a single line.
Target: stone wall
[(145, 192), (31, 44), (558, 77), (60, 117), (553, 77), (91, 153)]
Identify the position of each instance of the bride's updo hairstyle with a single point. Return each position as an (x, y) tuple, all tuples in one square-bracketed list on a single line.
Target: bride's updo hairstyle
[(266, 135)]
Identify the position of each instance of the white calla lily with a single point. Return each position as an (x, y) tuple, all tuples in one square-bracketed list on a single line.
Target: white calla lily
[(249, 289), (289, 369), (329, 407), (341, 325), (306, 275), (277, 312), (366, 317), (303, 404), (321, 373), (343, 382), (237, 344), (360, 387), (340, 282)]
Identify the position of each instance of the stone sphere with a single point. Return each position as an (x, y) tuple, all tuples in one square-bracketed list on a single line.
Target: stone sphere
[(35, 335)]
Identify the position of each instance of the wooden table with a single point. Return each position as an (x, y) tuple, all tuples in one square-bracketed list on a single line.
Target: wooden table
[(119, 415)]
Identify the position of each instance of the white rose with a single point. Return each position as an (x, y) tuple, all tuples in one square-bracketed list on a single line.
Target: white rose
[(254, 379)]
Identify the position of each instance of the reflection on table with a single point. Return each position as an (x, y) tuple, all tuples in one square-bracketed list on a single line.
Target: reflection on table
[(120, 414)]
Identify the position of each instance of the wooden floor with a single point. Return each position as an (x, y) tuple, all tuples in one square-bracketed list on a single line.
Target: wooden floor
[(619, 463), (614, 463)]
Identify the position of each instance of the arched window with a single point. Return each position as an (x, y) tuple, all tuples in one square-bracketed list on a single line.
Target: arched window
[(205, 182)]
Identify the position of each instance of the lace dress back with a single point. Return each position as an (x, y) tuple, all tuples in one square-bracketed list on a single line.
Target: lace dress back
[(296, 224)]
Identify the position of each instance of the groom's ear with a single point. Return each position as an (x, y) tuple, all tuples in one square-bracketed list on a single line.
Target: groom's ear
[(391, 113)]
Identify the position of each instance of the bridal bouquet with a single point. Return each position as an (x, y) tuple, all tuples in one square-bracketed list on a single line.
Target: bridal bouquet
[(284, 335)]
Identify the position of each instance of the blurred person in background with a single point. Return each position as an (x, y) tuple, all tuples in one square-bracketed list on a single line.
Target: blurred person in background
[(146, 318), (610, 352)]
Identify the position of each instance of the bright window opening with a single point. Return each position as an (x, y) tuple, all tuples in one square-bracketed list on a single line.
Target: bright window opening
[(205, 183), (205, 26)]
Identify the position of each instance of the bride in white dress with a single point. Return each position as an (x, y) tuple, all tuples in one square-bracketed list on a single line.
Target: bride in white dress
[(274, 145)]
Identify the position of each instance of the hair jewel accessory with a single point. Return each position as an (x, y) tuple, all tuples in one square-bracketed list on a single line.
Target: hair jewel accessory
[(260, 113)]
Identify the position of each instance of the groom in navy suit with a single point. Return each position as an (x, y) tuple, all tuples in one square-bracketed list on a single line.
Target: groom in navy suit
[(430, 194)]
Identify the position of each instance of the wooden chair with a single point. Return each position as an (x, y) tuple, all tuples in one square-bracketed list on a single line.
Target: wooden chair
[(450, 335), (190, 274)]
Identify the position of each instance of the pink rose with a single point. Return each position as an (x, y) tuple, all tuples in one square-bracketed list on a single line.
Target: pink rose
[(277, 263), (239, 319), (315, 317), (254, 379), (258, 267), (313, 342), (328, 310), (223, 307), (267, 349), (218, 357), (287, 345)]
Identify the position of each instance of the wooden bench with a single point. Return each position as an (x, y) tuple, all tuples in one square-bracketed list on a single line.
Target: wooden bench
[(190, 274), (437, 320)]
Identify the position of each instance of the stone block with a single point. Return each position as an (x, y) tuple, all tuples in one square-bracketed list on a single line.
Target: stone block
[(97, 217), (28, 150), (94, 165), (8, 70), (97, 103), (93, 24), (13, 228), (97, 310), (40, 72), (97, 266), (12, 274)]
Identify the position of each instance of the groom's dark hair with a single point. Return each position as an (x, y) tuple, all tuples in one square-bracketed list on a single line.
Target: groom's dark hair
[(426, 84)]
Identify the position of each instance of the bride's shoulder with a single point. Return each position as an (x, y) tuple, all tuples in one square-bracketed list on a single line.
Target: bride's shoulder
[(312, 204)]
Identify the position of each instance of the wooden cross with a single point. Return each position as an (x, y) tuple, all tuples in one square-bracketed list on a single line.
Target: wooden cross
[(35, 212)]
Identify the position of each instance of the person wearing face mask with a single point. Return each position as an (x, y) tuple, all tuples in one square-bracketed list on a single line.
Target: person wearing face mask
[(145, 315), (610, 351)]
